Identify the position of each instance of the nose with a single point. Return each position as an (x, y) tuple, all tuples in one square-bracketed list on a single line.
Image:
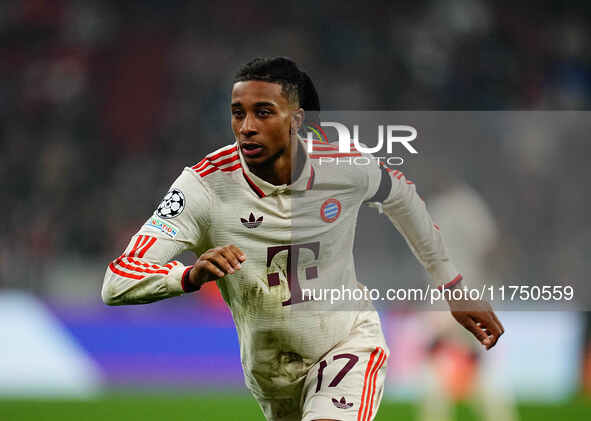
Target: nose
[(248, 127)]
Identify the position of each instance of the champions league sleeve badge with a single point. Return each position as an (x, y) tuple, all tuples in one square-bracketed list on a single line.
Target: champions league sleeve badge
[(172, 205)]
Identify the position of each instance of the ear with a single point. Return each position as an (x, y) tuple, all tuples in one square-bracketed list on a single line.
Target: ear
[(297, 119)]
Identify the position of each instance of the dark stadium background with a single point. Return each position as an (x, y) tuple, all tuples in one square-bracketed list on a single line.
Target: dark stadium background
[(103, 102)]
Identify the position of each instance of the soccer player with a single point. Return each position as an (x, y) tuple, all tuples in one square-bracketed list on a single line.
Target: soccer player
[(267, 220)]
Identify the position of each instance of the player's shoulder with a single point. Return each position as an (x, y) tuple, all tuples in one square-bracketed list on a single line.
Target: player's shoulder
[(210, 172), (329, 150), (346, 166), (331, 157), (214, 166)]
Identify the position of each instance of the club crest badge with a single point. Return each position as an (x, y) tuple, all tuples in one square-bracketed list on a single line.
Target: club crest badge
[(172, 205), (330, 210)]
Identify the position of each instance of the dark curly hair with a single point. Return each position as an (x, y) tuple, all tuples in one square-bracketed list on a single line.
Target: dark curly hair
[(296, 84)]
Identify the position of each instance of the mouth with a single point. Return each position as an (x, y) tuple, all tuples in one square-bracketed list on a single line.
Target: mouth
[(251, 149)]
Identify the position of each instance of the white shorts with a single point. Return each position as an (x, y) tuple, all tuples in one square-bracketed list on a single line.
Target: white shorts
[(346, 385)]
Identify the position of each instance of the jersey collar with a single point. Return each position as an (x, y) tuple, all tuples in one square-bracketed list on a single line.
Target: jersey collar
[(263, 188)]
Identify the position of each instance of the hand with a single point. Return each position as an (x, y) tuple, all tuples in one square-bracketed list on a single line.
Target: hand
[(478, 317), (215, 264)]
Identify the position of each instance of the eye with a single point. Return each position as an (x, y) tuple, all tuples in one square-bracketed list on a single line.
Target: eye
[(237, 113), (263, 113)]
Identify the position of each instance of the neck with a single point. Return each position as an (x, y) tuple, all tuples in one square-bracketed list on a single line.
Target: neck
[(284, 168)]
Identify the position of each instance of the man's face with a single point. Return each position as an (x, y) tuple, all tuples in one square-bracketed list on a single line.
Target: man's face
[(261, 120)]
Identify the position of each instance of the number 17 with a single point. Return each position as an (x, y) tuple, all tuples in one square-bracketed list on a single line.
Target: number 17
[(350, 364)]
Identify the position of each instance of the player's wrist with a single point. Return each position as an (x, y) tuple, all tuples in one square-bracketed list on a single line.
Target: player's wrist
[(188, 282), (455, 283), (454, 290)]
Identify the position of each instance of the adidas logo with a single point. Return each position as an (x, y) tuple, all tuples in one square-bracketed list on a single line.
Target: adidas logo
[(252, 222), (342, 404)]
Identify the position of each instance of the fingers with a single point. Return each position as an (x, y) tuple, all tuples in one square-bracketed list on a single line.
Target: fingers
[(489, 323), (477, 331), (220, 261), (213, 269), (483, 327), (498, 322), (233, 255), (239, 253), (481, 321)]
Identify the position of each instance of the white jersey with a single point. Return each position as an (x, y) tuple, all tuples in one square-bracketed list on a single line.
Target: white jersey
[(294, 236)]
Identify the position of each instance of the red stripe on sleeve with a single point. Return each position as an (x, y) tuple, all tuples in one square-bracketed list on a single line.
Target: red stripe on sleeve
[(209, 171), (222, 153), (208, 166), (136, 245), (197, 165), (124, 265), (203, 165), (145, 249), (227, 160), (124, 274), (145, 239), (232, 168), (136, 262)]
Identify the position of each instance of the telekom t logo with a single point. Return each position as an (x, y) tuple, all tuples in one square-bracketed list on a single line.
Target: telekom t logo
[(345, 139), (293, 254)]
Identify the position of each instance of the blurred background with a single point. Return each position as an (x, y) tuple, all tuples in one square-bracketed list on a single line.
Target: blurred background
[(102, 103)]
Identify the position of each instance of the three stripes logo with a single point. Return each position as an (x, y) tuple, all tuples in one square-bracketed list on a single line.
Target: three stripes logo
[(252, 222), (366, 406), (330, 210)]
